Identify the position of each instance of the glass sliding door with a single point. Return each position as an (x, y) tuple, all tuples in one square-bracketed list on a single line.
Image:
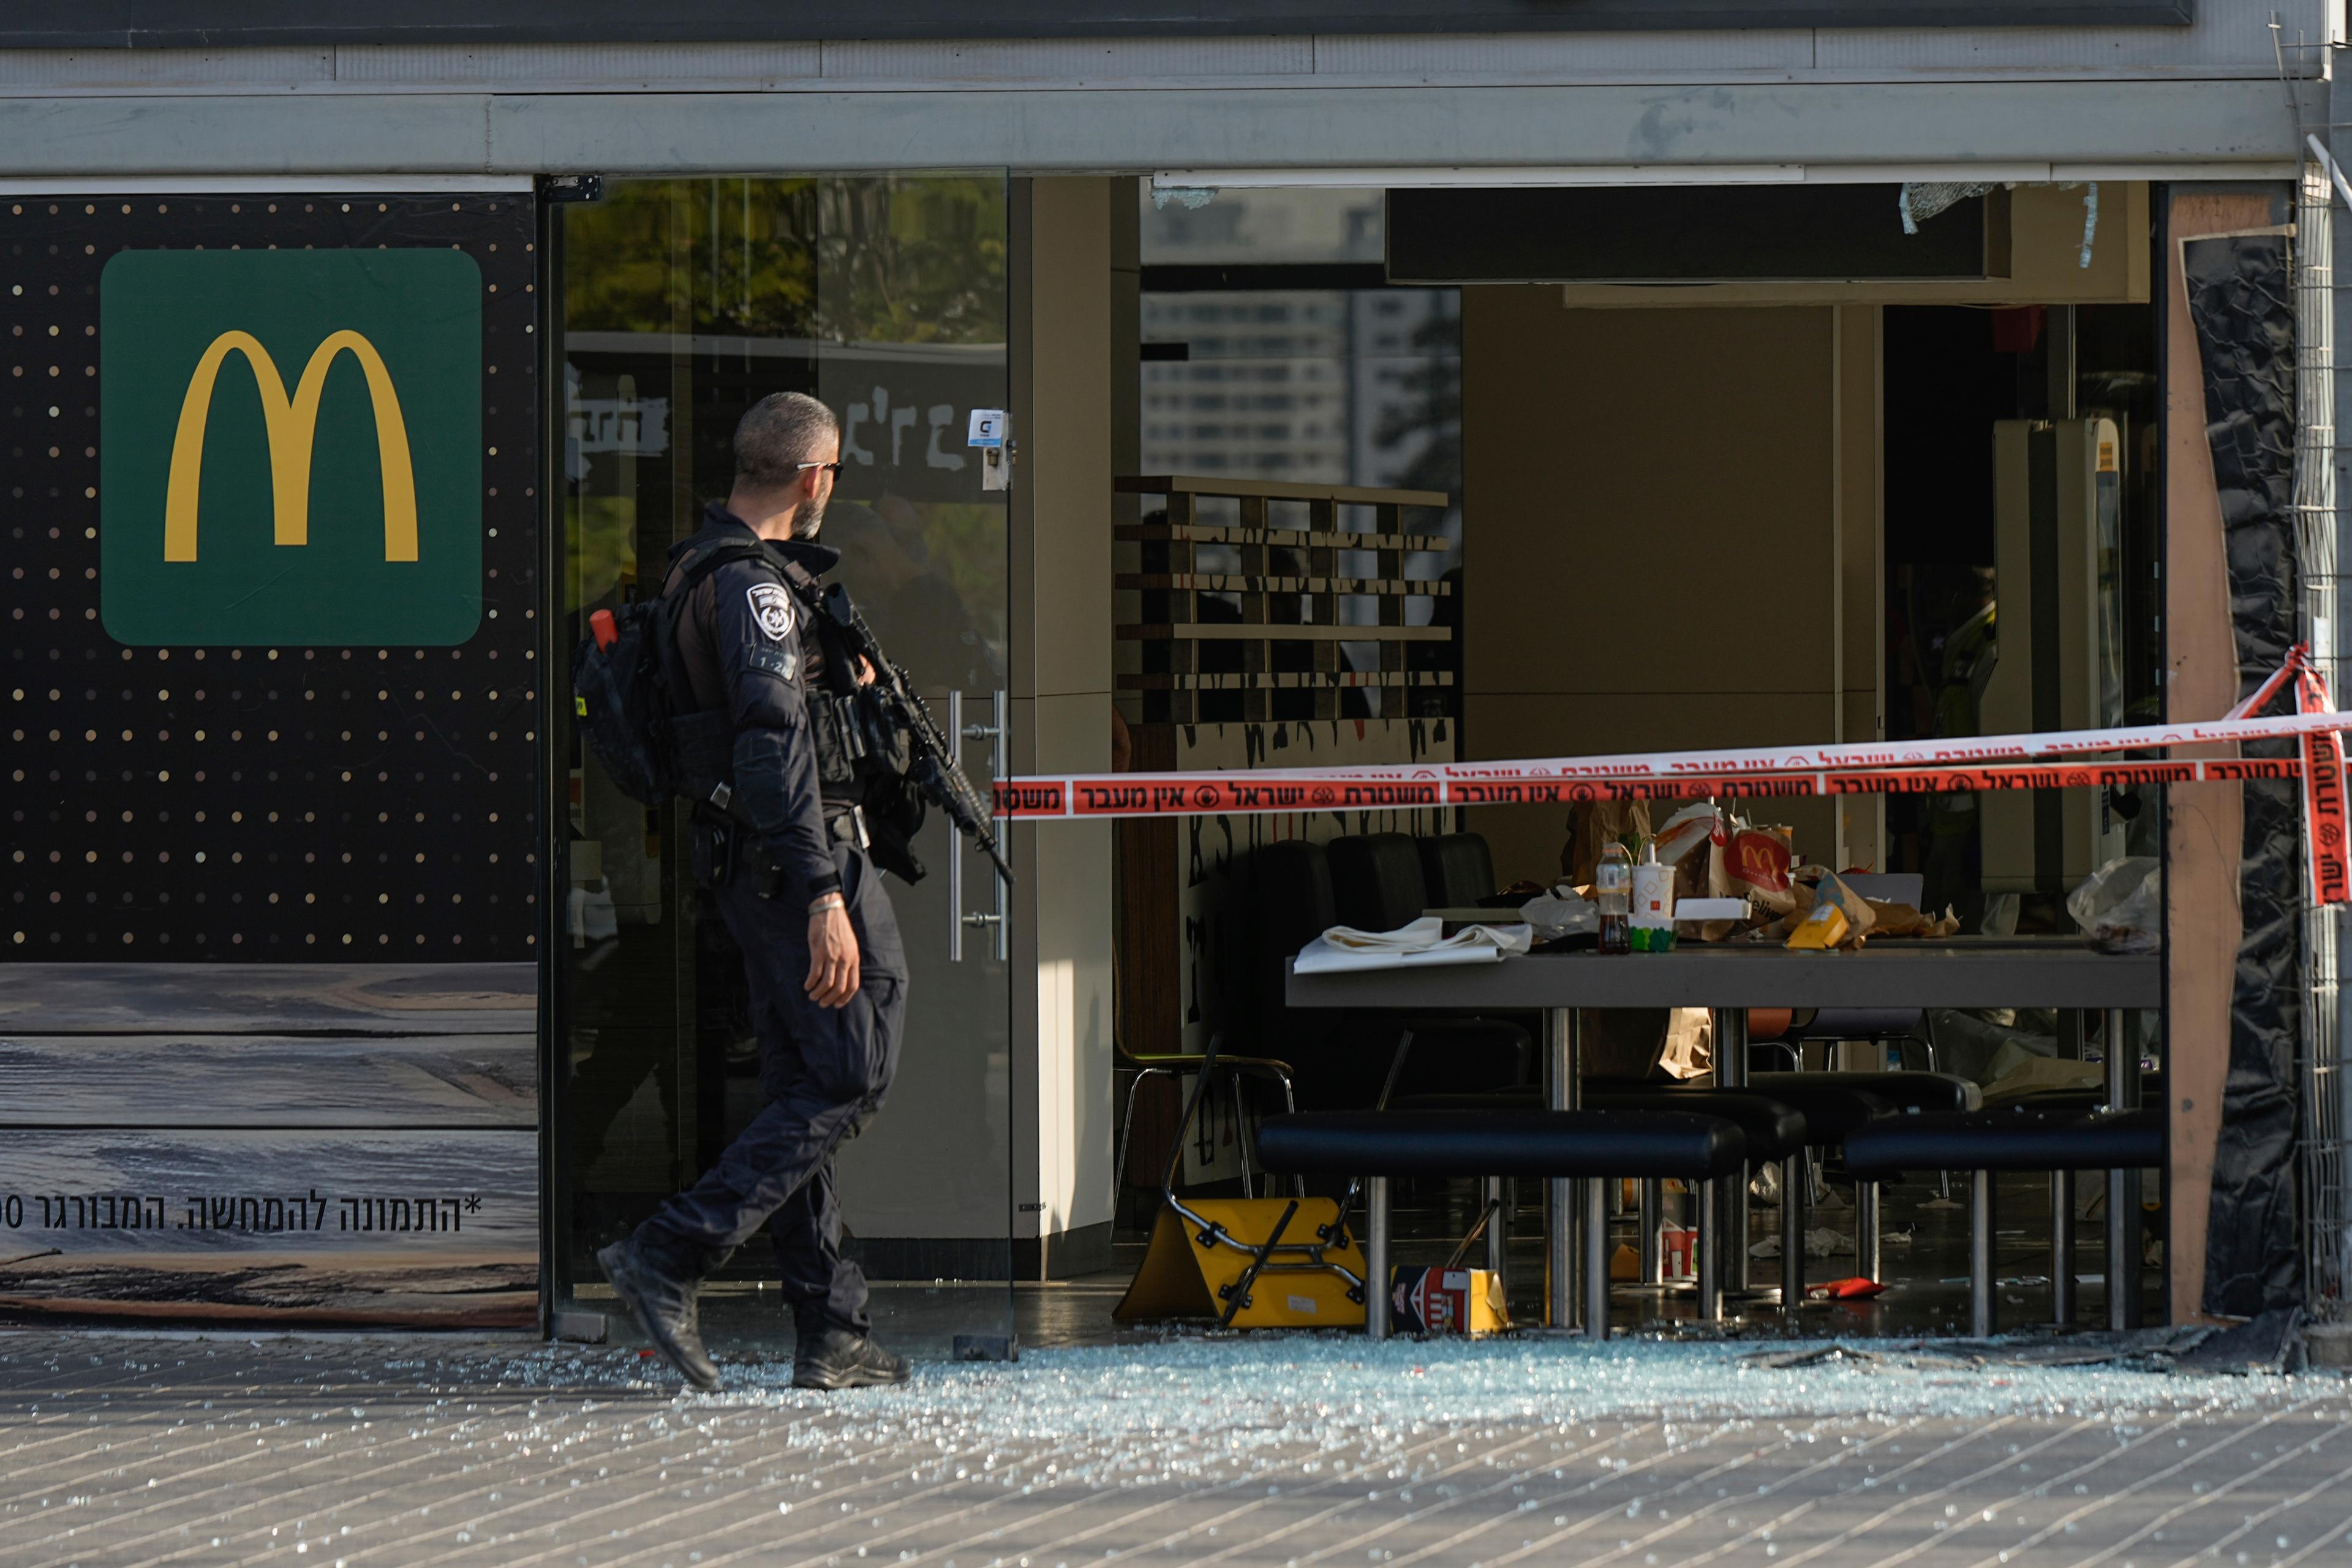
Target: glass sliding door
[(682, 302)]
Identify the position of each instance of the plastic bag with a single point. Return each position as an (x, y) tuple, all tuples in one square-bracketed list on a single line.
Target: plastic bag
[(2120, 906), (1561, 913)]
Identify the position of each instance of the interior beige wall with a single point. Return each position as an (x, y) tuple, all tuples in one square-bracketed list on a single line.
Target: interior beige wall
[(1063, 314), (1665, 515), (1861, 675)]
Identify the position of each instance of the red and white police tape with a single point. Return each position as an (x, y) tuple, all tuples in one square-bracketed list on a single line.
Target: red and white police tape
[(1920, 767)]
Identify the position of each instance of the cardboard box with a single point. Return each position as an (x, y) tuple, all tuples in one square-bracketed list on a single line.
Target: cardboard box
[(1448, 1301)]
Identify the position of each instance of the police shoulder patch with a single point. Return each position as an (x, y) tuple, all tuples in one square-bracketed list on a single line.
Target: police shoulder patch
[(772, 606), (775, 661)]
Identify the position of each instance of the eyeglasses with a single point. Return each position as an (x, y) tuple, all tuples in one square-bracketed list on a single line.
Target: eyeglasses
[(833, 468)]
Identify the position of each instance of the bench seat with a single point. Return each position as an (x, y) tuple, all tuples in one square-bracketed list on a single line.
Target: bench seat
[(2009, 1137), (1514, 1142), (2059, 1138), (1594, 1146)]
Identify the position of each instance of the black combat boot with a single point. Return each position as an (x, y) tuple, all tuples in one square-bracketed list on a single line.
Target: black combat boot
[(665, 1307), (836, 1358)]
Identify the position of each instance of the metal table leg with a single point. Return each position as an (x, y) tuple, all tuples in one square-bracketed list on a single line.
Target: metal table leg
[(1866, 1230), (1376, 1258), (1499, 1226), (1792, 1232), (1710, 1260), (2061, 1246), (1654, 1214), (1596, 1258), (1730, 1233), (1981, 1283), (1561, 1205), (2122, 1190)]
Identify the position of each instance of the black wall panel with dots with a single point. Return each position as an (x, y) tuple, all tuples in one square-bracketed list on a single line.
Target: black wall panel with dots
[(269, 978), (259, 803)]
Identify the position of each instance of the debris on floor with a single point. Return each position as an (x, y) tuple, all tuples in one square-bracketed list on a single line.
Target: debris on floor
[(1819, 1242), (2270, 1342)]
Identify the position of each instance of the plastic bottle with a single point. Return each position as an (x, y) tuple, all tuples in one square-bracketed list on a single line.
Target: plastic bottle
[(1613, 890)]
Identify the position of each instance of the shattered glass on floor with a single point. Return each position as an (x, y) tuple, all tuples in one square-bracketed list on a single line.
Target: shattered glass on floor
[(1283, 1450)]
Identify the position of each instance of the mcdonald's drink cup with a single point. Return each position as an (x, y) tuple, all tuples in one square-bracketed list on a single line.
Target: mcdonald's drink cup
[(1677, 1253), (1448, 1301), (1654, 906)]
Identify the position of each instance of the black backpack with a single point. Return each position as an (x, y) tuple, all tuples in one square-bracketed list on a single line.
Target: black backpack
[(629, 690)]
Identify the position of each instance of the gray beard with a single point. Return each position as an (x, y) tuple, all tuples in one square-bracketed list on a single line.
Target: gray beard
[(808, 520)]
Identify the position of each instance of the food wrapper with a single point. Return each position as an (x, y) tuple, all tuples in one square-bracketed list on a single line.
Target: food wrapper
[(1685, 832), (1839, 917), (1902, 920), (1824, 927)]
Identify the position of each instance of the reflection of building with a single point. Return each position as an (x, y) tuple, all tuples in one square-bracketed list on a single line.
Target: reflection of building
[(904, 406), (1322, 386), (1405, 368), (1275, 349), (1267, 390)]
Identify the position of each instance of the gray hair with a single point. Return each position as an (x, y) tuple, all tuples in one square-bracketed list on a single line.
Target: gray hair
[(778, 433)]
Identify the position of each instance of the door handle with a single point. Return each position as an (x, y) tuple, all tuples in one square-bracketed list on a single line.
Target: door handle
[(995, 733)]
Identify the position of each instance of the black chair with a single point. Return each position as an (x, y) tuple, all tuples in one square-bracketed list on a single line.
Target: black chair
[(1172, 1066), (1456, 869), (1376, 880), (1339, 1057)]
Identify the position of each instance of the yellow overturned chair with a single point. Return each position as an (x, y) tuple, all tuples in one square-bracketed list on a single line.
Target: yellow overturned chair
[(1250, 1262)]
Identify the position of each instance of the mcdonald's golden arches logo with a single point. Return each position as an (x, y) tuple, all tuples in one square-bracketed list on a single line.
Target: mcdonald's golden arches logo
[(345, 510), (293, 426)]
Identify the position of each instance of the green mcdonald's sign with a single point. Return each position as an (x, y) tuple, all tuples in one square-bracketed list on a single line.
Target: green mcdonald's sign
[(290, 446)]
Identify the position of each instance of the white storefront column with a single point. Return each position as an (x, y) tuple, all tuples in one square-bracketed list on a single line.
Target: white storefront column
[(1063, 419)]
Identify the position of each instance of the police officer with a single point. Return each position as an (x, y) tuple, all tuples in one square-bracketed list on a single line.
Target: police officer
[(788, 869)]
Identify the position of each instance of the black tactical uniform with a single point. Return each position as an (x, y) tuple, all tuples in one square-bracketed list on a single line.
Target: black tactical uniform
[(748, 649)]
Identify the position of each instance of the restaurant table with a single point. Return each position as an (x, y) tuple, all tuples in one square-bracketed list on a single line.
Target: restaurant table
[(1729, 978)]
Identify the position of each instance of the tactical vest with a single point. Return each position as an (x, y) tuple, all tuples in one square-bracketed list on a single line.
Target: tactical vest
[(862, 756), (857, 748)]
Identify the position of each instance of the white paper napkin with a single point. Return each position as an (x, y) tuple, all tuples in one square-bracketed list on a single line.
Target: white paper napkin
[(1420, 943)]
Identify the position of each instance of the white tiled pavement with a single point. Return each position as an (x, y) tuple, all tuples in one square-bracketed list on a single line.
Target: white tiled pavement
[(133, 1451)]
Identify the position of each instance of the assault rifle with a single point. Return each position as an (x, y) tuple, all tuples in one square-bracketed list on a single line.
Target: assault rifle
[(932, 769)]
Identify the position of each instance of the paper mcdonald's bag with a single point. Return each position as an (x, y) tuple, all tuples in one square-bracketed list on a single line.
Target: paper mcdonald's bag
[(1757, 862)]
